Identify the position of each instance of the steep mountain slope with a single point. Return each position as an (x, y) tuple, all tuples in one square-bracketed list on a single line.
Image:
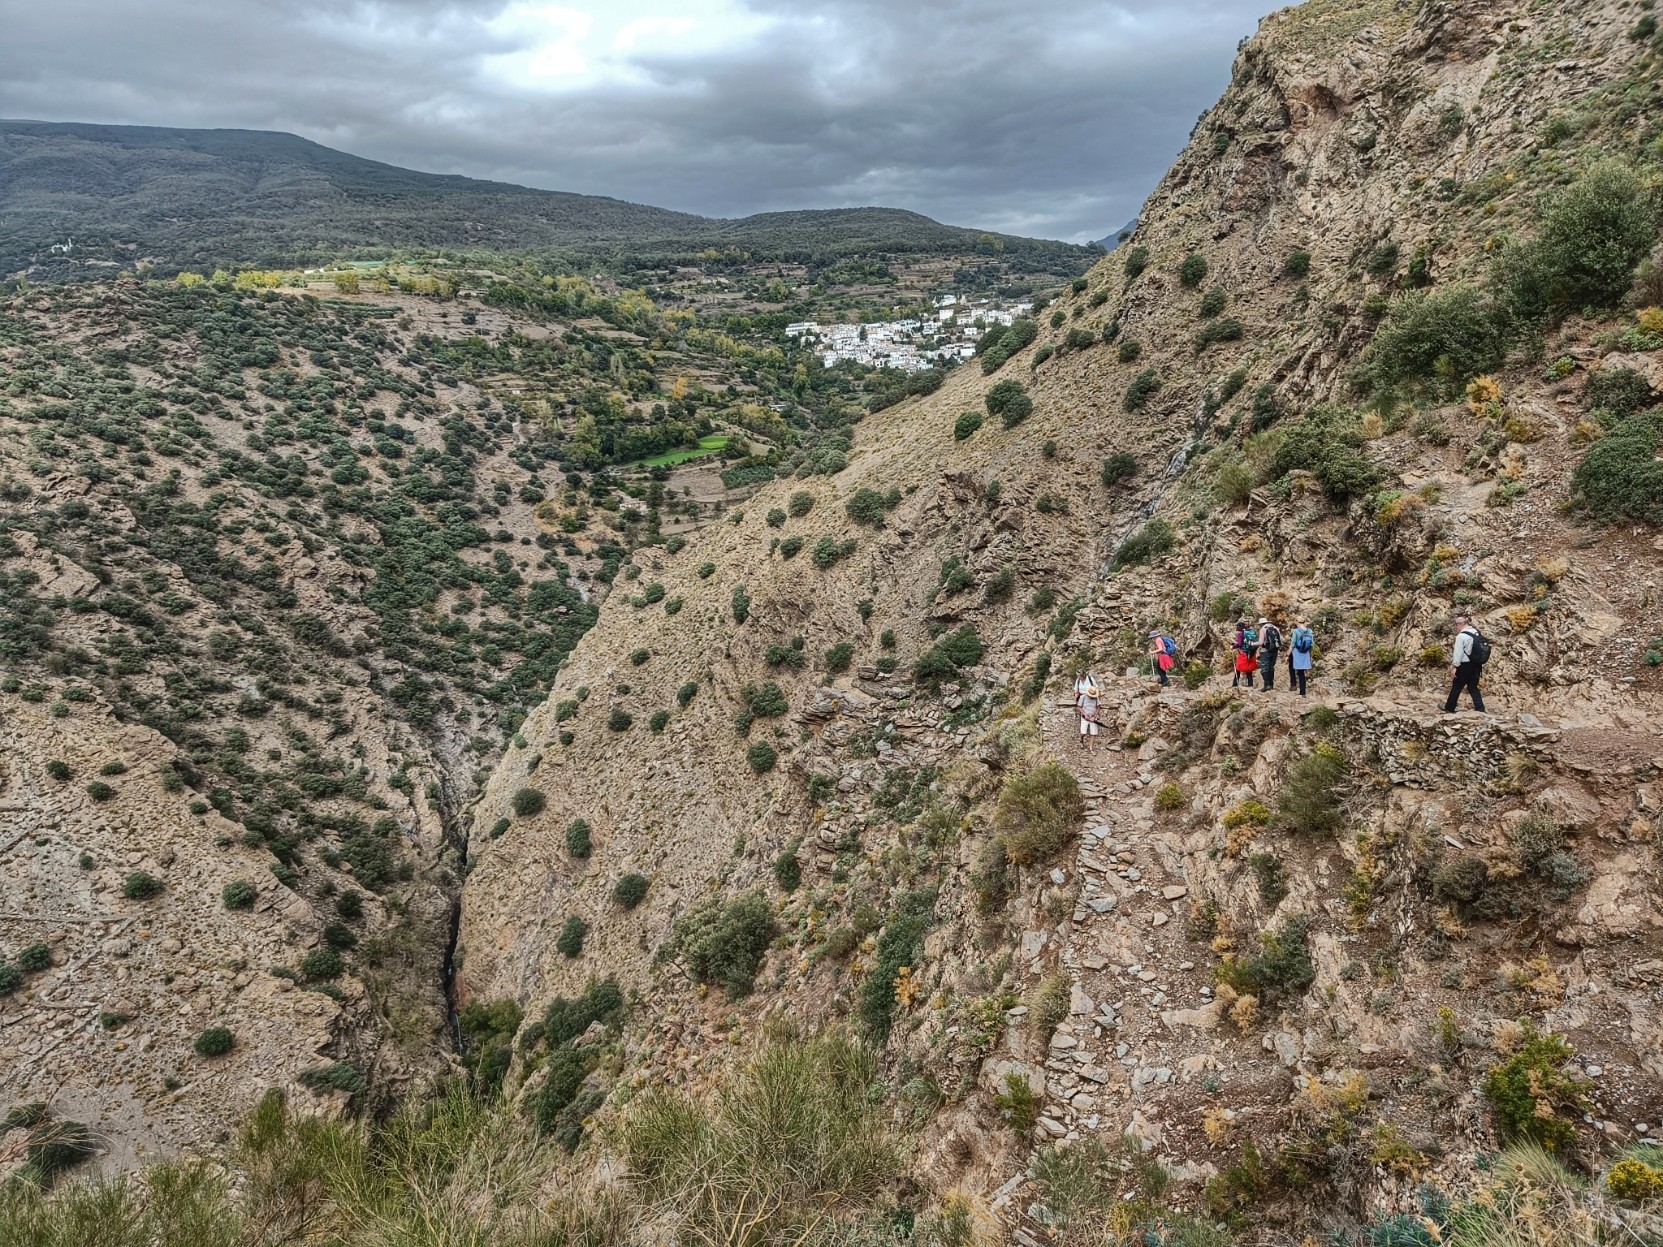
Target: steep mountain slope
[(212, 197), (1298, 949)]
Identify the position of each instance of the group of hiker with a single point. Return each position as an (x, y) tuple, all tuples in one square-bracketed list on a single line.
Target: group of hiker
[(1258, 648)]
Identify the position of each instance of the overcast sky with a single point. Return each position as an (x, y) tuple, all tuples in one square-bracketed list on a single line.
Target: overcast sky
[(1051, 120)]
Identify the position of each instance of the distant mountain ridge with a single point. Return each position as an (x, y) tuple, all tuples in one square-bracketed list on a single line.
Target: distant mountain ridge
[(203, 197)]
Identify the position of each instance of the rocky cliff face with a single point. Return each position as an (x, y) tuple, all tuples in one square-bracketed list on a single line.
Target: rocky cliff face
[(1306, 928)]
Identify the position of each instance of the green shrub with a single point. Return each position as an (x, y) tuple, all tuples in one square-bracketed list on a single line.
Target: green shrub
[(1018, 1105), (619, 720), (1195, 674), (1383, 261), (1137, 259), (34, 958), (1009, 401), (826, 552), (339, 937), (942, 661), (761, 756), (1000, 586), (839, 657), (321, 965), (51, 1148), (1593, 236), (1225, 329), (1144, 386), (866, 506), (528, 802), (686, 693), (1436, 339), (498, 829), (116, 767), (140, 886), (706, 571), (1311, 792), (630, 890), (1297, 265), (901, 944), (723, 942), (341, 1076), (790, 546), (1154, 540), (766, 701), (1619, 391), (1039, 811), (956, 577), (98, 790), (58, 770), (775, 517), (215, 1041), (11, 978), (741, 604), (1212, 303), (1282, 968), (238, 894), (639, 657), (1235, 483), (1530, 1095), (658, 722), (350, 905), (1129, 351), (788, 869), (579, 839), (1268, 874), (1621, 477), (1118, 467), (569, 943), (967, 423), (1325, 444), (1193, 271)]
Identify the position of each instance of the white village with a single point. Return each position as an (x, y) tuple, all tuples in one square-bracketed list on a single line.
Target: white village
[(911, 345)]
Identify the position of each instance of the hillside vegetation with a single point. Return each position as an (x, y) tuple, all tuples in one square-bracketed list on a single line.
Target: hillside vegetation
[(794, 909)]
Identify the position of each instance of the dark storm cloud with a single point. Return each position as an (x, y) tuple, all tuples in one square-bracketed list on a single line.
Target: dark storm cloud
[(1053, 121)]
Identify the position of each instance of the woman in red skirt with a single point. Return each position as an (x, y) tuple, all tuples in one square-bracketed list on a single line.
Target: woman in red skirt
[(1247, 653)]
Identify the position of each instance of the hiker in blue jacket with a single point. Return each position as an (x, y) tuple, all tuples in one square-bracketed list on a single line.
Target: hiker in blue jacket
[(1301, 645), (1471, 651)]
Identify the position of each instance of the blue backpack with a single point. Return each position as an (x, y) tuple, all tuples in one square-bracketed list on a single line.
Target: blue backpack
[(1302, 640)]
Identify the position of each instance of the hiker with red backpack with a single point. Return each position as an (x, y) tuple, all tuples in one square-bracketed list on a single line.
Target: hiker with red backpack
[(1471, 652), (1163, 650), (1247, 653)]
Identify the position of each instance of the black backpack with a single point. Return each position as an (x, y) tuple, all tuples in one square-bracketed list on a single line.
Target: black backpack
[(1480, 648)]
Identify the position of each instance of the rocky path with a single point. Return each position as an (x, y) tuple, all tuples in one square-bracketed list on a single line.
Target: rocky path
[(1149, 1049)]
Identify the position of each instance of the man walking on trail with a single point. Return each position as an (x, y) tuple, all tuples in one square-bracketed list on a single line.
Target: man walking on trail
[(1087, 706), (1270, 645), (1299, 654), (1471, 652)]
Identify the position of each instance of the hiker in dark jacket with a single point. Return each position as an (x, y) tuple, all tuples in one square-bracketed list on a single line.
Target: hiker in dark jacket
[(1470, 651), (1270, 645)]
